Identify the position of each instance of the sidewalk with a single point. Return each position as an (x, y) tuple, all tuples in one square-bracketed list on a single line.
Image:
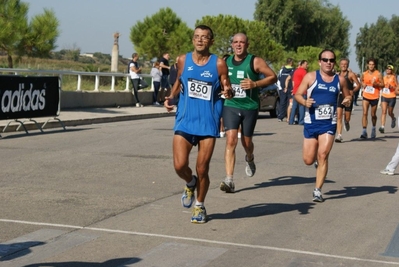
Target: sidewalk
[(87, 116)]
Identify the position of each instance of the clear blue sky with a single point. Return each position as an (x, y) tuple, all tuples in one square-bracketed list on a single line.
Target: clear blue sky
[(90, 24)]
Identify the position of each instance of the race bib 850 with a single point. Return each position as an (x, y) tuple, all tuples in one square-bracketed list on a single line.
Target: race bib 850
[(199, 89)]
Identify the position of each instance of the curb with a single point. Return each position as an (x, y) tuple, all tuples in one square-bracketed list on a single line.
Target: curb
[(15, 126)]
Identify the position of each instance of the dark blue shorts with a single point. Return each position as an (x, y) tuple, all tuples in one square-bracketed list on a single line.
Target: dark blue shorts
[(313, 131), (192, 139)]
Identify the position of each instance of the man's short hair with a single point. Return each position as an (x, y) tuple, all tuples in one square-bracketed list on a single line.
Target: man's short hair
[(204, 27), (327, 50)]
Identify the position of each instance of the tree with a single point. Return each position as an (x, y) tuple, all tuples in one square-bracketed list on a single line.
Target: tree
[(162, 32), (379, 41), (295, 23), (13, 25), (17, 36), (40, 36), (224, 28)]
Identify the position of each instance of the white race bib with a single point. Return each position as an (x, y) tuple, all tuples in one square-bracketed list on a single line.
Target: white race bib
[(199, 89), (238, 92), (386, 91), (324, 112), (369, 89)]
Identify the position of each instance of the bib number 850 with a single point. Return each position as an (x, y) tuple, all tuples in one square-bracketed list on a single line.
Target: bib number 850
[(199, 89)]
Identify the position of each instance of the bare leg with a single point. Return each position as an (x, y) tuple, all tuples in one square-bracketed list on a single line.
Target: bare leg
[(205, 151)]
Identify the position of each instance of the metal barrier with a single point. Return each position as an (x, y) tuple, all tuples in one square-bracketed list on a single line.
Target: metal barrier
[(79, 75), (29, 97)]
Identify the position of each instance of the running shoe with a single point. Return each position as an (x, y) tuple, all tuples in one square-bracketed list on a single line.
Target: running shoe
[(363, 135), (222, 134), (317, 197), (227, 186), (239, 135), (339, 139), (393, 122), (387, 172), (382, 130), (316, 164), (373, 134), (347, 126), (187, 198), (199, 215), (250, 169)]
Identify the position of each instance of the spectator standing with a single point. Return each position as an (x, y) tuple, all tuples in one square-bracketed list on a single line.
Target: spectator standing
[(156, 75), (285, 81), (165, 86), (297, 78), (134, 71), (173, 73)]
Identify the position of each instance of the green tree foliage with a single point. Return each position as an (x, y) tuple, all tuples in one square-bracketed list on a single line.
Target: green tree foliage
[(13, 25), (40, 36), (379, 41), (295, 23), (224, 28), (17, 36), (160, 33)]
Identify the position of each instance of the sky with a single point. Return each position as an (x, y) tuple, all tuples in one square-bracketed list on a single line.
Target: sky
[(90, 24)]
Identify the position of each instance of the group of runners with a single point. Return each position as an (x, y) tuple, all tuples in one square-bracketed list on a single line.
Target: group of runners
[(208, 88)]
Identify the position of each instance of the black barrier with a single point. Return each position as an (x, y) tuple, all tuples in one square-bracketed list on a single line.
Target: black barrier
[(29, 97)]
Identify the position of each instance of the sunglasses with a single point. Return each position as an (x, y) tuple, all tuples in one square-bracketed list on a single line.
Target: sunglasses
[(332, 60)]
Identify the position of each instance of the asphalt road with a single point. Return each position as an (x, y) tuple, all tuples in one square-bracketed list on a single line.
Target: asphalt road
[(107, 195)]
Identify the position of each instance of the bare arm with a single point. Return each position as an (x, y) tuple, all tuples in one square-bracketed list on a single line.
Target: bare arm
[(260, 66), (224, 78), (134, 69), (380, 83), (345, 91), (286, 83), (163, 66)]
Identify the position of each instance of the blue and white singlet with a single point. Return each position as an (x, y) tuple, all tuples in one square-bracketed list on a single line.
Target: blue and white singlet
[(324, 111), (200, 107)]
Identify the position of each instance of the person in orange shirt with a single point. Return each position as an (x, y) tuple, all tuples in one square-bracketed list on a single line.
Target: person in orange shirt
[(372, 82), (388, 98)]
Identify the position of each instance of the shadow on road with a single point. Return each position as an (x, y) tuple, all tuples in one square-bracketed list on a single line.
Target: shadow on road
[(262, 209), (282, 181)]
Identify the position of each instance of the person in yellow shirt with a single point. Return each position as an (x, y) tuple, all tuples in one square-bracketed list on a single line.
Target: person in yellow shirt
[(372, 83), (388, 98)]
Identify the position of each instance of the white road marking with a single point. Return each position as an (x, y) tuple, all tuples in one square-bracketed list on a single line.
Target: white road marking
[(303, 252)]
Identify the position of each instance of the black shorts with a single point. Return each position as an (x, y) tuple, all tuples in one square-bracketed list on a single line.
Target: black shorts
[(192, 139), (234, 117), (391, 101), (372, 102), (340, 99)]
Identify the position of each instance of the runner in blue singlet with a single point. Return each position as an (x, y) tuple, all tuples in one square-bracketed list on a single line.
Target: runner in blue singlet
[(202, 77), (322, 88)]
